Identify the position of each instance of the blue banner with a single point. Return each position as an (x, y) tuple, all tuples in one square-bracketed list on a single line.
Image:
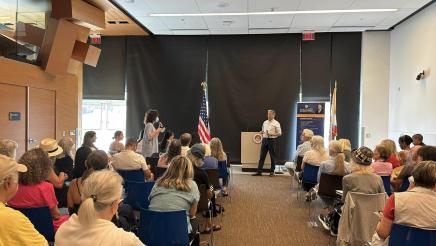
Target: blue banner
[(310, 115)]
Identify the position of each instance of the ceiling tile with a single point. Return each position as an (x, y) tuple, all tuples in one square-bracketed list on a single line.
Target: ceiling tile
[(378, 4), (213, 6), (163, 32), (226, 22), (172, 6), (228, 31), (311, 20), (396, 17), (361, 19), (136, 8), (268, 31), (187, 22), (415, 4), (277, 5), (152, 23), (191, 32), (325, 4), (348, 29), (269, 21)]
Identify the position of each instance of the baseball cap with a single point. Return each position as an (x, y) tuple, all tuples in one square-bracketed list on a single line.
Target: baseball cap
[(198, 150), (8, 166)]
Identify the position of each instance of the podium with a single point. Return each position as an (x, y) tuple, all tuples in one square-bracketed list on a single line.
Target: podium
[(250, 152)]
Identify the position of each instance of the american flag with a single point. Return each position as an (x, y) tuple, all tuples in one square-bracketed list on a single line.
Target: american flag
[(333, 122), (203, 121)]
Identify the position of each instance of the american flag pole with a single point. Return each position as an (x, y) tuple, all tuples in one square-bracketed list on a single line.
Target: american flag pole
[(203, 119)]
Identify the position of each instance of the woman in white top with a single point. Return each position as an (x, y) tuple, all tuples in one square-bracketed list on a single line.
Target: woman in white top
[(317, 154), (336, 164), (101, 195)]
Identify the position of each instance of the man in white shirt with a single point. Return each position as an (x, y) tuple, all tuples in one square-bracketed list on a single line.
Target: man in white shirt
[(305, 137), (271, 130), (128, 159), (185, 141)]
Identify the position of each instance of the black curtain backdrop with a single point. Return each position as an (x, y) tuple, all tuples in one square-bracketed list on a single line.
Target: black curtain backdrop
[(107, 80), (247, 75)]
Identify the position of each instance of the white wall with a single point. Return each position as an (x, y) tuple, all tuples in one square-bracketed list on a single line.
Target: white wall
[(412, 103), (375, 87)]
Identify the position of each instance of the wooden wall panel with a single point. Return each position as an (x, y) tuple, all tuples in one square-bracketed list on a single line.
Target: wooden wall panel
[(42, 115), (13, 99)]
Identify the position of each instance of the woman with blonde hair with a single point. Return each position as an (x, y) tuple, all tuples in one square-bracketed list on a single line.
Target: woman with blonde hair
[(392, 150), (101, 195), (217, 151), (8, 148), (317, 154), (176, 190), (346, 145), (336, 164)]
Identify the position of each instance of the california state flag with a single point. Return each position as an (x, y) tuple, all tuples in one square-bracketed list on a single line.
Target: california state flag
[(333, 123)]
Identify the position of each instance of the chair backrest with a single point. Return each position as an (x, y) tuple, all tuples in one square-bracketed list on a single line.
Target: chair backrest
[(163, 228), (222, 167), (299, 162), (402, 235), (387, 184), (159, 172), (328, 184), (203, 204), (137, 194), (310, 174), (132, 175), (213, 175), (42, 220), (405, 185)]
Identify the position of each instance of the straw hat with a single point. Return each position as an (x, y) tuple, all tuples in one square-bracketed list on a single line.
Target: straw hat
[(9, 166), (51, 147)]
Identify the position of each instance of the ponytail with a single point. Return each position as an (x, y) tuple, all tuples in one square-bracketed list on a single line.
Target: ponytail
[(339, 165), (87, 214)]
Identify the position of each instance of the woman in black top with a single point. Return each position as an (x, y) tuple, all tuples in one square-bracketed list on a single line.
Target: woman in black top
[(83, 152), (64, 163)]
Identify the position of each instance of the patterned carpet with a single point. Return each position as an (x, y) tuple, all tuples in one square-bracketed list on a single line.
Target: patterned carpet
[(265, 211)]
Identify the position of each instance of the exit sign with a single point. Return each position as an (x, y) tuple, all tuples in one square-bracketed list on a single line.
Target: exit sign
[(308, 36)]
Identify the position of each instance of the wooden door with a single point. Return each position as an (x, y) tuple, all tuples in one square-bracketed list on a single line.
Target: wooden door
[(42, 115), (13, 100)]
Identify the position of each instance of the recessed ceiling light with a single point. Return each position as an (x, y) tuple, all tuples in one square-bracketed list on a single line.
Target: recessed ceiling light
[(5, 17), (332, 11)]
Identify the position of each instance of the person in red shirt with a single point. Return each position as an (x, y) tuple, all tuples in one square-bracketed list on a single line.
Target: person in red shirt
[(393, 154)]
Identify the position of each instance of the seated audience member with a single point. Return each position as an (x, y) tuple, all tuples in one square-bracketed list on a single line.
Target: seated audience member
[(97, 160), (195, 139), (185, 140), (380, 165), (128, 159), (405, 155), (305, 137), (51, 147), (392, 151), (424, 153), (116, 146), (416, 207), (217, 151), (418, 140), (317, 154), (15, 228), (101, 195), (83, 152), (196, 156), (8, 148), (174, 149), (336, 163), (346, 145), (176, 190), (210, 162), (64, 163), (168, 137), (33, 189), (362, 179)]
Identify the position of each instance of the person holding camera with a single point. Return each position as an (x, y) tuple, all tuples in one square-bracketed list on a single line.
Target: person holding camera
[(150, 144)]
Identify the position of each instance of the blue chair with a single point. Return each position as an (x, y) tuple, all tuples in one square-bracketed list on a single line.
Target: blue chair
[(310, 176), (163, 228), (132, 175), (402, 235), (42, 220), (137, 194), (387, 184), (404, 185)]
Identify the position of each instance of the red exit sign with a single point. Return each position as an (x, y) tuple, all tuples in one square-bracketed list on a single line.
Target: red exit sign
[(308, 36)]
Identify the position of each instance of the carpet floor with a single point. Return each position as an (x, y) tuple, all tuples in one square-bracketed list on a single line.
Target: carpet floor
[(265, 211)]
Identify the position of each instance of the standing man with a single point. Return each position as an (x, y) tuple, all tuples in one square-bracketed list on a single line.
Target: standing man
[(270, 131)]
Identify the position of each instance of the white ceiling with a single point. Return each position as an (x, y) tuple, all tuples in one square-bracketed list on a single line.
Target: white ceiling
[(261, 24)]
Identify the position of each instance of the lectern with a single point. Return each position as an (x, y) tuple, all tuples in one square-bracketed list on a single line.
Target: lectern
[(250, 152)]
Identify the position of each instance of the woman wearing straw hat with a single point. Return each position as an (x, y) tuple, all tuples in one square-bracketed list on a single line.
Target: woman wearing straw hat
[(51, 147)]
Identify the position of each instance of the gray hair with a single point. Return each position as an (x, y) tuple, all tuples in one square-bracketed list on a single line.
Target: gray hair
[(8, 148)]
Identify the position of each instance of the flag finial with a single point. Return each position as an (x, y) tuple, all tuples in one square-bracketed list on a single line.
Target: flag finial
[(204, 85)]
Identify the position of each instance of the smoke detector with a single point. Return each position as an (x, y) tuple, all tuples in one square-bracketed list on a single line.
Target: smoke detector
[(223, 5)]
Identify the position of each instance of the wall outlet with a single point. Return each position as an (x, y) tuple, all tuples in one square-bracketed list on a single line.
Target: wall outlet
[(368, 135)]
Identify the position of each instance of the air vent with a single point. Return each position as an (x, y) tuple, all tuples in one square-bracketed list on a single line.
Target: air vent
[(123, 22), (117, 22), (111, 22)]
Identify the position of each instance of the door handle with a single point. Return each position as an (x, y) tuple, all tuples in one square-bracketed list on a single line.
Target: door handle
[(32, 140)]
